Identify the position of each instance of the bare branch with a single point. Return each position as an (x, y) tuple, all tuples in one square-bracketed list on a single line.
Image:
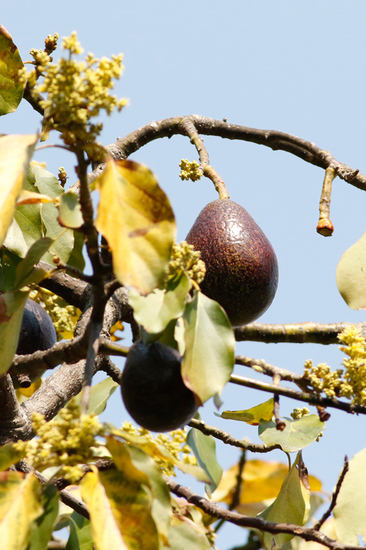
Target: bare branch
[(335, 494)]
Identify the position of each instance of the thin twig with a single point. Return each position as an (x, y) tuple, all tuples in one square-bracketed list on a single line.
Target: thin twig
[(335, 494), (237, 491), (325, 226)]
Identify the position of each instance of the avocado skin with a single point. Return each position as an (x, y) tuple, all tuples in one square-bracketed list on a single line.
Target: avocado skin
[(37, 331), (152, 388), (242, 269)]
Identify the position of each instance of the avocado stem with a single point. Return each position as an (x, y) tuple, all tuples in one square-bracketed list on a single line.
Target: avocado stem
[(219, 184), (325, 226)]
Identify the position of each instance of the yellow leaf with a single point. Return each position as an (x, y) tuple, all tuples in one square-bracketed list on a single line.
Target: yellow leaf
[(136, 218), (11, 313), (19, 506), (261, 481), (28, 392), (120, 511), (30, 197), (252, 416), (291, 506), (15, 152)]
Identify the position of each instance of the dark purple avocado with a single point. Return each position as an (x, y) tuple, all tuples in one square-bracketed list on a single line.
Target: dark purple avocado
[(152, 388), (37, 331), (242, 269)]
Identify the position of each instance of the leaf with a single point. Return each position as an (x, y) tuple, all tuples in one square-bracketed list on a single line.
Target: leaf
[(15, 152), (350, 510), (11, 90), (120, 509), (157, 309), (209, 339), (76, 258), (261, 481), (297, 433), (70, 211), (43, 526), (9, 456), (161, 509), (351, 275), (34, 221), (252, 416), (11, 313), (99, 395), (291, 506), (30, 197), (184, 534), (20, 505), (8, 265), (25, 272), (81, 537), (136, 218), (204, 448)]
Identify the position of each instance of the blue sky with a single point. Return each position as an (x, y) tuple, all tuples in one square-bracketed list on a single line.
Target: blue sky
[(298, 67)]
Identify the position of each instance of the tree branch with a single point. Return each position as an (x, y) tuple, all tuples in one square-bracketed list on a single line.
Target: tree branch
[(335, 494), (216, 511)]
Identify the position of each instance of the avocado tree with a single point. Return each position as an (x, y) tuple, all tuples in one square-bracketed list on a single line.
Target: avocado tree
[(114, 486)]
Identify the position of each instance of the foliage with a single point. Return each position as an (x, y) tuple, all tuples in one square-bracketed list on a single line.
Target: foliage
[(120, 481)]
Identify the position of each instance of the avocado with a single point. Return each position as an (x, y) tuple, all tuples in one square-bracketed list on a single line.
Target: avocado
[(242, 269), (152, 388), (37, 331)]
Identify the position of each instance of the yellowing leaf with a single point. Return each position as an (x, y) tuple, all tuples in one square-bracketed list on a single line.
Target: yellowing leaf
[(28, 392), (351, 275), (291, 506), (19, 506), (120, 511), (252, 416), (350, 510), (11, 313), (30, 197), (11, 90), (136, 218), (15, 152)]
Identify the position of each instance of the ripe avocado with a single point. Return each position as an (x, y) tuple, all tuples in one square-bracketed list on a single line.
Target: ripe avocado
[(152, 388), (37, 331), (242, 269)]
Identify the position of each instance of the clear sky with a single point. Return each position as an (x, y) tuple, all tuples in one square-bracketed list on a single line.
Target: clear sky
[(298, 67)]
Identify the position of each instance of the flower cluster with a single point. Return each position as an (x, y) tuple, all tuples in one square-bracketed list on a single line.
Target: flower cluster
[(299, 413), (76, 91), (185, 258), (190, 170), (63, 315), (66, 442), (174, 442), (349, 382)]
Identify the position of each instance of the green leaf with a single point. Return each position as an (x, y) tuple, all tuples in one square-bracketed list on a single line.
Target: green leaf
[(70, 210), (252, 416), (351, 275), (99, 395), (350, 510), (34, 221), (184, 534), (20, 505), (43, 526), (204, 448), (15, 153), (297, 433), (76, 258), (136, 218), (25, 272), (209, 338), (155, 311), (81, 537), (291, 506), (11, 90), (8, 265), (11, 313)]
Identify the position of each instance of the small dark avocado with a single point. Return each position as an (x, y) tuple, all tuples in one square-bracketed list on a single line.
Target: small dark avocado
[(37, 331), (153, 391), (242, 270)]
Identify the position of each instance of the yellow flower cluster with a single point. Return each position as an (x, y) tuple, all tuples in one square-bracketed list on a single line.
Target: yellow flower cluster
[(190, 170), (174, 442), (66, 442), (76, 92), (185, 258), (64, 316), (299, 413), (350, 382)]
